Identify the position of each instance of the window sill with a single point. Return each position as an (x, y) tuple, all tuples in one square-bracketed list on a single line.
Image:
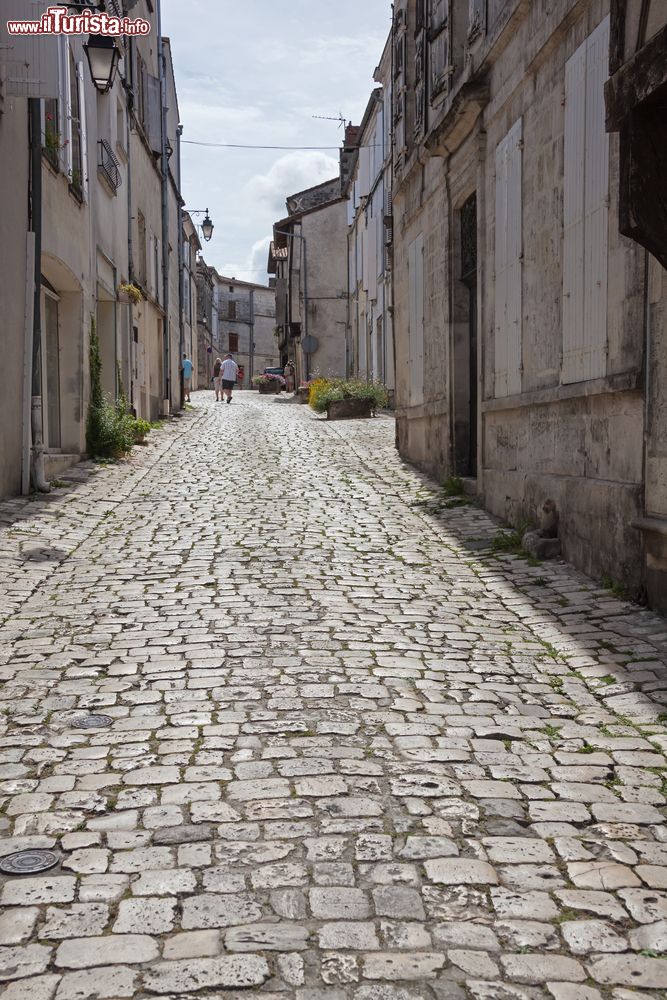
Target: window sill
[(624, 382)]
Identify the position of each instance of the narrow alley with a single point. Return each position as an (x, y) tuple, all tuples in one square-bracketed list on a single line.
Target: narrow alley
[(287, 722)]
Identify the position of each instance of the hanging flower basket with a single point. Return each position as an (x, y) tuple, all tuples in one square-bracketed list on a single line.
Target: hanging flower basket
[(127, 292)]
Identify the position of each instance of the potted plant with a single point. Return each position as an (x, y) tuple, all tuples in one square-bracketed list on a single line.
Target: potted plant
[(269, 384), (343, 399), (129, 292)]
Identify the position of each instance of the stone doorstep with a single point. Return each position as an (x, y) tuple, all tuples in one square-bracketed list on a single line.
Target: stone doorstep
[(57, 463)]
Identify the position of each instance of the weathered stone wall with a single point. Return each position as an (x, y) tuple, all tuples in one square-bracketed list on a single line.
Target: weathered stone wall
[(420, 206), (13, 228), (580, 444), (325, 232)]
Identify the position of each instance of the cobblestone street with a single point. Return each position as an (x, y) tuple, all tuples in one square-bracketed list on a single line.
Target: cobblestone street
[(356, 752)]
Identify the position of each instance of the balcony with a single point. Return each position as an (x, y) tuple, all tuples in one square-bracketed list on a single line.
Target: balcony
[(108, 167)]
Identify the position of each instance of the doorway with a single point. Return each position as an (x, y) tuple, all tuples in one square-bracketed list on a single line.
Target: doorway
[(465, 344), (51, 369)]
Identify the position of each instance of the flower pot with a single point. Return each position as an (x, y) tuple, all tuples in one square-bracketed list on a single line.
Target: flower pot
[(348, 409), (270, 388)]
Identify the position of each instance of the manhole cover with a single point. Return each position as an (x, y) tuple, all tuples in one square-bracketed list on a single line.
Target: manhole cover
[(93, 722), (28, 862)]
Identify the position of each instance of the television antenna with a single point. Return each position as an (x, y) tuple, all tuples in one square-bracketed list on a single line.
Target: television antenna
[(333, 118)]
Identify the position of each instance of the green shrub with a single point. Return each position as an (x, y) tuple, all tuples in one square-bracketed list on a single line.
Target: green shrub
[(109, 431), (325, 391), (140, 429)]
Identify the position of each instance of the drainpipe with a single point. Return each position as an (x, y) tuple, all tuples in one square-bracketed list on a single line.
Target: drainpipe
[(128, 84), (252, 332), (392, 145), (36, 410), (164, 170), (181, 269)]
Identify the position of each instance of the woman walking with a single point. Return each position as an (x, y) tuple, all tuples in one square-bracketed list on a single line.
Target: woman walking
[(217, 379)]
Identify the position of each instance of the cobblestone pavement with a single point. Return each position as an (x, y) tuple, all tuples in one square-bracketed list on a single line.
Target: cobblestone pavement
[(356, 753)]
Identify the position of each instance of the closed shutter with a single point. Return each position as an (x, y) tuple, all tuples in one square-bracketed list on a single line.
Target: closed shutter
[(30, 62), (585, 211), (416, 320), (68, 150), (158, 270), (372, 258), (151, 266), (154, 113), (84, 131), (508, 255)]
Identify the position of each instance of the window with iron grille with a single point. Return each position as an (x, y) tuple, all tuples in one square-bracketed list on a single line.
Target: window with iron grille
[(108, 166)]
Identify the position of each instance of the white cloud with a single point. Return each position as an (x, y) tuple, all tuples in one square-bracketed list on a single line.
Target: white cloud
[(291, 173), (256, 74), (254, 267)]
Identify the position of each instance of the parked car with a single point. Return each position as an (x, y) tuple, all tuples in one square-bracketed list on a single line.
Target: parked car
[(273, 371)]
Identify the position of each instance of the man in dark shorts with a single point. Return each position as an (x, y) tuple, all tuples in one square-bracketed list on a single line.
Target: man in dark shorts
[(230, 374)]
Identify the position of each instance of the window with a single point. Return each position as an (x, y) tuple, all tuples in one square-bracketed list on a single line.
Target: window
[(416, 320), (231, 309), (140, 88), (140, 262), (233, 343), (76, 144), (438, 15), (120, 128), (585, 211), (508, 249), (52, 138)]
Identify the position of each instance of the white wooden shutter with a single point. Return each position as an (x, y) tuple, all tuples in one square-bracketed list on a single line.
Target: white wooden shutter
[(84, 131), (158, 270), (585, 211), (152, 277), (416, 320), (372, 258), (30, 62), (508, 256), (596, 203), (67, 104)]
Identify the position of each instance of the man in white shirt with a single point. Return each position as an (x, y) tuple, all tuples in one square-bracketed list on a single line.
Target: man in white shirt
[(230, 374)]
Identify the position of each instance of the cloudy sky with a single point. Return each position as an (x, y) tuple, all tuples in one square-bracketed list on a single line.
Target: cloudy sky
[(255, 73)]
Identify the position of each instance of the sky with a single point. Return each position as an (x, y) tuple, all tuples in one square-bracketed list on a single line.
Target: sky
[(255, 72)]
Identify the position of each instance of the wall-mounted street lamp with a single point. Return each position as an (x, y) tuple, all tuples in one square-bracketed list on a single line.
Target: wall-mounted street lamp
[(101, 50), (206, 226), (103, 58)]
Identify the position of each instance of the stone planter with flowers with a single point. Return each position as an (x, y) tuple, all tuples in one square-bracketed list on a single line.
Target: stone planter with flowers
[(269, 384)]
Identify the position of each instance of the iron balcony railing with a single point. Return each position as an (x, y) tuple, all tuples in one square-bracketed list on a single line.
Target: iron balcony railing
[(108, 165)]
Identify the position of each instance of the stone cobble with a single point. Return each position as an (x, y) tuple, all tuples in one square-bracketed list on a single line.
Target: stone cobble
[(358, 751)]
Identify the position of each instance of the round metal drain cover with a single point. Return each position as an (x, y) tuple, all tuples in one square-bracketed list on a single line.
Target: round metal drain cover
[(93, 722), (28, 862)]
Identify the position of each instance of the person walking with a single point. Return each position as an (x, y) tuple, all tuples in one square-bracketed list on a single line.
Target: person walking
[(187, 367), (230, 373), (217, 378)]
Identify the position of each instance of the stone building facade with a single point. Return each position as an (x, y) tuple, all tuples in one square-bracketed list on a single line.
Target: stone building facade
[(311, 286), (208, 340), (246, 316), (105, 206), (366, 172), (520, 309)]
